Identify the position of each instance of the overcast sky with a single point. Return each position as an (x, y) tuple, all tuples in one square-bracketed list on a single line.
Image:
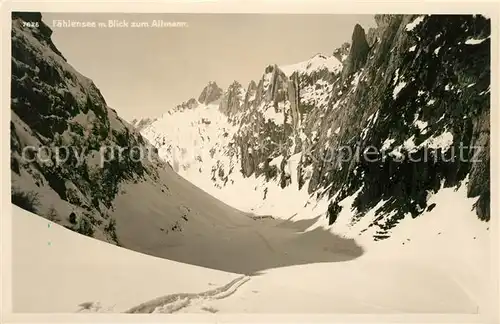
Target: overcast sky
[(143, 72)]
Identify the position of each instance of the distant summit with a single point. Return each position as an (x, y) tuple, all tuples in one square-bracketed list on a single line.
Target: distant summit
[(316, 63), (210, 93)]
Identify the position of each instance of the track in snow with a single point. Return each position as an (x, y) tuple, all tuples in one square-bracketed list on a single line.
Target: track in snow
[(174, 302)]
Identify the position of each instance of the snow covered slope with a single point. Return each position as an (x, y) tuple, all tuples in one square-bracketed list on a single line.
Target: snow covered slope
[(72, 270), (315, 64), (420, 270), (427, 266)]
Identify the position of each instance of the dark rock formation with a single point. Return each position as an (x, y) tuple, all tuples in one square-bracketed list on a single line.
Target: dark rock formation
[(425, 75), (55, 107), (371, 36), (357, 53), (233, 99), (210, 93), (43, 31)]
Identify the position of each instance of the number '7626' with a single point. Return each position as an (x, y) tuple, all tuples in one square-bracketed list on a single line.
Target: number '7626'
[(30, 24)]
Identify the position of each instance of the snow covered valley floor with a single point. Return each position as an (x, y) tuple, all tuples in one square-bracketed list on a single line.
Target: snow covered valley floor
[(270, 266)]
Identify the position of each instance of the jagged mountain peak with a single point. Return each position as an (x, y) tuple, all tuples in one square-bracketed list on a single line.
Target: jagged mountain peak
[(358, 52), (234, 85), (233, 98), (210, 93), (358, 30), (252, 86)]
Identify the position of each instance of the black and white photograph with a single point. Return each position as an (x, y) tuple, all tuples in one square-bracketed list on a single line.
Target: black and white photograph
[(250, 163)]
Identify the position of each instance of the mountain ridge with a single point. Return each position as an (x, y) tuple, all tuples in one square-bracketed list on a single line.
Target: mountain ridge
[(302, 117)]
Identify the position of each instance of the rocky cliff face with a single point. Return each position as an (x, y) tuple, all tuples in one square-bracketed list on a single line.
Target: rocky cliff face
[(71, 155), (233, 99), (422, 114), (210, 93), (404, 114), (358, 52)]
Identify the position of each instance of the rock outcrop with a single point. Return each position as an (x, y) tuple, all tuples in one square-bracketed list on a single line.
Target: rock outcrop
[(59, 112), (210, 93), (358, 52), (233, 99)]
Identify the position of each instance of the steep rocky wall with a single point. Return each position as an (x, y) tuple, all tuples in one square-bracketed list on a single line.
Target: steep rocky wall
[(415, 87), (443, 77), (60, 122), (210, 93)]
